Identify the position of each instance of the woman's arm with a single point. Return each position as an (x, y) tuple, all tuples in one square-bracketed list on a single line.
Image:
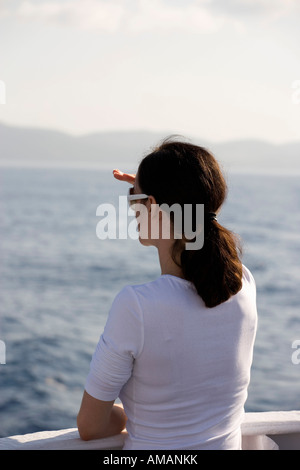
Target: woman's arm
[(97, 419), (111, 367)]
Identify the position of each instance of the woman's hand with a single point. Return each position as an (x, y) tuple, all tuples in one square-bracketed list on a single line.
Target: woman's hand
[(119, 175)]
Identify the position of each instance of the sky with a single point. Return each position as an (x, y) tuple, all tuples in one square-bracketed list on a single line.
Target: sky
[(214, 69)]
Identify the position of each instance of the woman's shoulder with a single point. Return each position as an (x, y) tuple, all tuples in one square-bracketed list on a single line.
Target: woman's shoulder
[(248, 276), (145, 289), (131, 289)]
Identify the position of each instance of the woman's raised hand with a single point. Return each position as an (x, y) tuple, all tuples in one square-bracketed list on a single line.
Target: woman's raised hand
[(119, 175)]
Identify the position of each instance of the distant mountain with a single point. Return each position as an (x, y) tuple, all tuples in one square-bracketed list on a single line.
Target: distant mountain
[(24, 147), (258, 155)]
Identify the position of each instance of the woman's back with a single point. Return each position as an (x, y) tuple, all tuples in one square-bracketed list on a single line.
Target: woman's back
[(188, 366)]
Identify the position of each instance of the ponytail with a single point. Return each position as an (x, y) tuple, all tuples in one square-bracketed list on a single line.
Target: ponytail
[(215, 269)]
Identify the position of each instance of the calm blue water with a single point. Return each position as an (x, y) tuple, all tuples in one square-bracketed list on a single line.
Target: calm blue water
[(57, 282)]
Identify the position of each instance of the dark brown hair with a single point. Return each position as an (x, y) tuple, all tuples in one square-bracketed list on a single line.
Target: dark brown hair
[(180, 172)]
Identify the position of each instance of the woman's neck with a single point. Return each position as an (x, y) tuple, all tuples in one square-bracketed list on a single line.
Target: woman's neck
[(167, 265)]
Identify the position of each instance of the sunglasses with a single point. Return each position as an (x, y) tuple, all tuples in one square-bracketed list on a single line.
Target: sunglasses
[(132, 197)]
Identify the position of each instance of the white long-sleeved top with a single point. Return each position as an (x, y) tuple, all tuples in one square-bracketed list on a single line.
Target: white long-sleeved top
[(180, 369)]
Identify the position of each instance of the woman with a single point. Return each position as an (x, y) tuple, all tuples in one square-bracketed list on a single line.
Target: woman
[(177, 350)]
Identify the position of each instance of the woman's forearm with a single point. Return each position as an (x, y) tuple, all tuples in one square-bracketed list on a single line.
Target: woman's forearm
[(117, 421), (97, 419)]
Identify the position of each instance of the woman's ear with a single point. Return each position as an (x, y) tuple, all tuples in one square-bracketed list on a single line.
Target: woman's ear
[(151, 200)]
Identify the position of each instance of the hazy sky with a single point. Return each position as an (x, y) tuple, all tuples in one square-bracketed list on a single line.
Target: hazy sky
[(215, 69)]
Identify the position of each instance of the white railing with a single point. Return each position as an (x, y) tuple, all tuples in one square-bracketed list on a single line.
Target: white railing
[(260, 431)]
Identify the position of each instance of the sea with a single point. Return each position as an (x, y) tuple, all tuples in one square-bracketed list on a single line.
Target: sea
[(58, 280)]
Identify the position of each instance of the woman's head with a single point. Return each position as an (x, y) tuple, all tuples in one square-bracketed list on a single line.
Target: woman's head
[(185, 174)]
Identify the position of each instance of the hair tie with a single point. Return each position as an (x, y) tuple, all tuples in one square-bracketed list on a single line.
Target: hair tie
[(211, 216)]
